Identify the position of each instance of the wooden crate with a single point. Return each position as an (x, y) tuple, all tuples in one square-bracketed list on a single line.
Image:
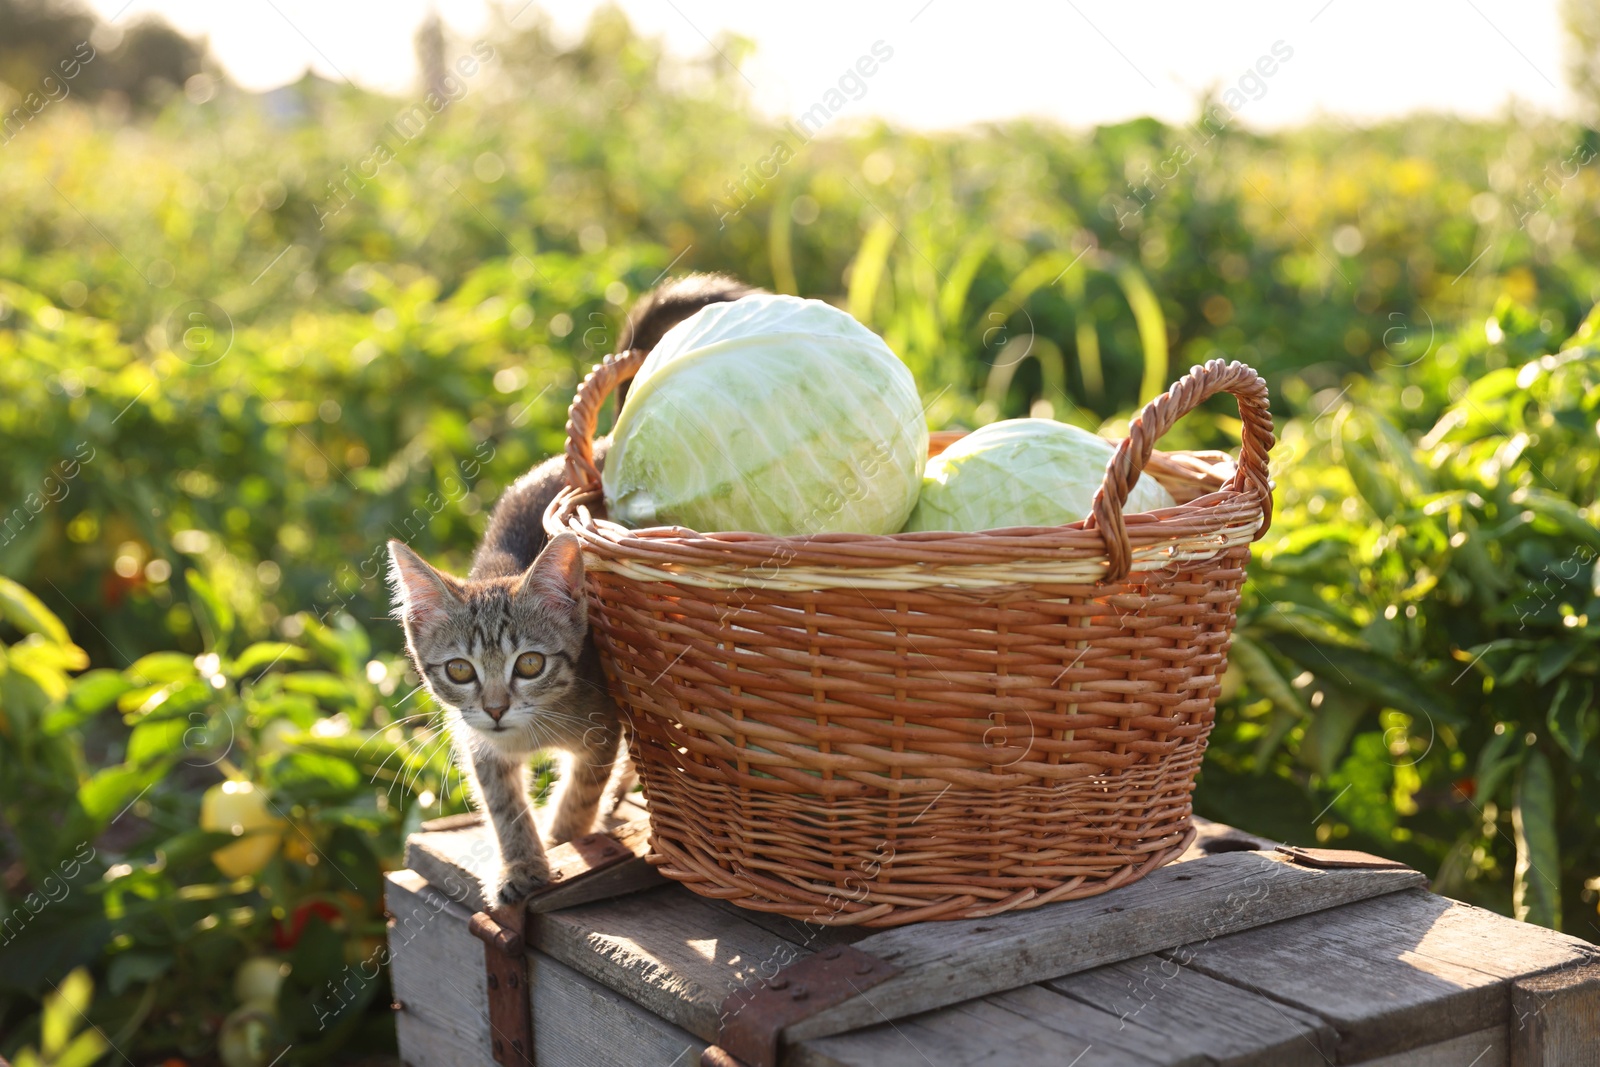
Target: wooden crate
[(1236, 954)]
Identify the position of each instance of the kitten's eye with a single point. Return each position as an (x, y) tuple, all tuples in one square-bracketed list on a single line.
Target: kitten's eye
[(529, 664), (459, 671)]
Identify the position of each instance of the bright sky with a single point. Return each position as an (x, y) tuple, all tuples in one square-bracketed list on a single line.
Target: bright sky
[(953, 62)]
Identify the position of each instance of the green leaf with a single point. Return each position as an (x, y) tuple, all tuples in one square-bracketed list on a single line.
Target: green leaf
[(1496, 759), (160, 667), (953, 294), (1310, 621), (1371, 480), (306, 776), (1376, 677), (344, 644), (45, 950), (870, 261), (213, 611), (1555, 657), (320, 684), (112, 789), (1535, 892), (172, 700), (1401, 453), (1152, 326), (1332, 726), (266, 653), (155, 739), (85, 1049), (1588, 330), (1263, 676), (1519, 668), (1314, 558), (91, 694), (1574, 719), (1279, 724), (64, 1012), (1566, 516), (27, 613), (1361, 788), (131, 968)]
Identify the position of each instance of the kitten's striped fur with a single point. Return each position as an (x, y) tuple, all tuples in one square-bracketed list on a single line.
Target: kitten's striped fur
[(500, 719), (524, 596)]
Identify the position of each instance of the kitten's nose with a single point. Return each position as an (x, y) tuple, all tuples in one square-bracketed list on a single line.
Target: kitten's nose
[(495, 711)]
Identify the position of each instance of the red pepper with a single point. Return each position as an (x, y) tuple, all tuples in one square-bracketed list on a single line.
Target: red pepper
[(287, 939)]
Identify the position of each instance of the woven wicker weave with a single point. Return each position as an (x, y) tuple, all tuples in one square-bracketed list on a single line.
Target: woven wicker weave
[(876, 730)]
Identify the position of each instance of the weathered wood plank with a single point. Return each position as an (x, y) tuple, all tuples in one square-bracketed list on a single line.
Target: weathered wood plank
[(1229, 1026), (985, 1036), (436, 970), (1555, 1018), (1187, 1020), (1211, 838), (425, 1045), (580, 1023), (1401, 971), (1075, 1023), (462, 859), (1482, 1048), (948, 962), (795, 931), (438, 975), (665, 949)]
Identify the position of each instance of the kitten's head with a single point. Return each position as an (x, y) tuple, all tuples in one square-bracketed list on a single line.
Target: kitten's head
[(503, 652)]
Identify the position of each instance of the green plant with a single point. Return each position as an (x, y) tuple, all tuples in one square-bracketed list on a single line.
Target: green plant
[(65, 1037), (1421, 645), (224, 386), (321, 730)]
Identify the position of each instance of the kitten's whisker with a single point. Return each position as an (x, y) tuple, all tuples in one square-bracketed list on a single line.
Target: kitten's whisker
[(374, 777), (414, 776), (411, 694), (380, 731), (406, 746), (410, 751)]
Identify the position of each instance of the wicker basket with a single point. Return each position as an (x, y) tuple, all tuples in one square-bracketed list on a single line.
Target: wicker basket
[(876, 730)]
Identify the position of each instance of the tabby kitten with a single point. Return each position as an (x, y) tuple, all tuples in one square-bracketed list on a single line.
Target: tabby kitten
[(507, 651), (510, 657)]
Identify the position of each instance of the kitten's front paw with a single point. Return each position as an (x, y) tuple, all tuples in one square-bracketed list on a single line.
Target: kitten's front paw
[(561, 831), (519, 881)]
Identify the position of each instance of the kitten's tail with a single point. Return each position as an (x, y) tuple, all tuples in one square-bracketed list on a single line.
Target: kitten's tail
[(515, 536), (665, 306)]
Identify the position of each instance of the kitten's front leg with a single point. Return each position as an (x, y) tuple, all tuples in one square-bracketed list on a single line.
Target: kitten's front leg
[(586, 779), (503, 786)]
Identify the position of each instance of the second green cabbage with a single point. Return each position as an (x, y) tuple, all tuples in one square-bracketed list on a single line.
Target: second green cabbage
[(1021, 472)]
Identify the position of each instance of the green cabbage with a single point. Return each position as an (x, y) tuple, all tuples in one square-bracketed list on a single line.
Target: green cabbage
[(1021, 472), (769, 414)]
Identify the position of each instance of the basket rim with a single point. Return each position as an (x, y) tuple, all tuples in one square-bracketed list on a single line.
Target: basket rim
[(571, 510), (1106, 535), (1073, 553)]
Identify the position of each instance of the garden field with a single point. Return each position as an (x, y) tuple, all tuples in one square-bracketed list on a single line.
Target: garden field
[(245, 339)]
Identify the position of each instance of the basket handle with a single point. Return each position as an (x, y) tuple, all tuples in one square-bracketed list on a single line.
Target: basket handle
[(584, 414), (1156, 419)]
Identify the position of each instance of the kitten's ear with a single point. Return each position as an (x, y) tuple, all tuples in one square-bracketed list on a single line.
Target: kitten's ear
[(556, 577), (422, 595)]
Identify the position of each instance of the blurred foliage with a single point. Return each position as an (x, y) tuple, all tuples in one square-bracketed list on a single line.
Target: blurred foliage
[(51, 49), (321, 318), (1418, 654), (1581, 21), (344, 762)]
